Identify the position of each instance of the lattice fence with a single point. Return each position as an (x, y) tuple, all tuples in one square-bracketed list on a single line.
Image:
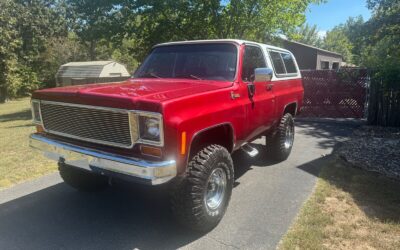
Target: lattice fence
[(335, 94)]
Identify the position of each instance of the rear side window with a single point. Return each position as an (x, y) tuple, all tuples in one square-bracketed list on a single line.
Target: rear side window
[(289, 63), (283, 63), (253, 58), (277, 62)]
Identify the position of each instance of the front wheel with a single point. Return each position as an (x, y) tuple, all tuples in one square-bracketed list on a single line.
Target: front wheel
[(281, 142), (200, 198)]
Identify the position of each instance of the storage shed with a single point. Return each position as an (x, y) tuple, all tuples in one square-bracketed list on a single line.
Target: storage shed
[(310, 58), (75, 73)]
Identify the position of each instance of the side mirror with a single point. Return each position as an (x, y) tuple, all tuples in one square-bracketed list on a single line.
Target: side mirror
[(262, 75)]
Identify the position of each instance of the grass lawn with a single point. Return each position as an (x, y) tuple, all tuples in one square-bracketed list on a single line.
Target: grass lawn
[(18, 162), (349, 209)]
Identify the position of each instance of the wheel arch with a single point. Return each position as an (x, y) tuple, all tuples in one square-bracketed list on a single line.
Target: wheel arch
[(290, 108), (222, 134)]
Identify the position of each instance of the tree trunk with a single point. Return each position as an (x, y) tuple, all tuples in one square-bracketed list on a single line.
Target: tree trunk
[(92, 50), (3, 94)]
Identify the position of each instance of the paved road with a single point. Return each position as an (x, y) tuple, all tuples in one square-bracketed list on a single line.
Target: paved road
[(47, 214)]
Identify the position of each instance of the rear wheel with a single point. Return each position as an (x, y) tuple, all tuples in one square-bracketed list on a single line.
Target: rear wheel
[(82, 180), (281, 142), (200, 198)]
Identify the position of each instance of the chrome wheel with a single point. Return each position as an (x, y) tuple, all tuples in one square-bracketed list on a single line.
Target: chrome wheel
[(216, 186), (289, 136)]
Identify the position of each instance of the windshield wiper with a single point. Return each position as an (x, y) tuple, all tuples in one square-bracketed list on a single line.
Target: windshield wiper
[(195, 77), (190, 76), (147, 74)]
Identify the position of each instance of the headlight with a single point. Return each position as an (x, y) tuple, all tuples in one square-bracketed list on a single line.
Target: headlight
[(36, 117), (151, 129), (150, 126)]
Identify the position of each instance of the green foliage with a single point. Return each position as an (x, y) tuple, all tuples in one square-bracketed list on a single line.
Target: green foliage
[(123, 54), (25, 28), (337, 41), (37, 36), (375, 43), (93, 21), (383, 46), (58, 51), (9, 42), (356, 34), (155, 21), (306, 34)]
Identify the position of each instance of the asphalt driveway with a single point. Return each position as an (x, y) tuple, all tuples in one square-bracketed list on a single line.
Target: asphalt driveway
[(47, 214)]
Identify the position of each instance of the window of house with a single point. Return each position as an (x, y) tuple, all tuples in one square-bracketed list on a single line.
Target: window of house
[(335, 65), (277, 61), (324, 65), (253, 58)]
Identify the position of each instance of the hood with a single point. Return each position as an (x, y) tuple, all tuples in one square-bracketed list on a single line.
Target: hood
[(152, 90)]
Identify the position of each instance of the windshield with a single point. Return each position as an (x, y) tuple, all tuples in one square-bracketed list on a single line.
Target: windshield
[(195, 61)]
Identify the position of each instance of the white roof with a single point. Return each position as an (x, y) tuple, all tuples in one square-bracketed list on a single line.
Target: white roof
[(91, 63), (236, 41), (93, 69)]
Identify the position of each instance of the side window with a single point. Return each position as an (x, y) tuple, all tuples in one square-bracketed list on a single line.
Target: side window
[(253, 58), (289, 63), (277, 62)]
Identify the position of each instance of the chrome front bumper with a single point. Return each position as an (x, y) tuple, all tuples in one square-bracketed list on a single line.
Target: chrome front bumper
[(150, 172)]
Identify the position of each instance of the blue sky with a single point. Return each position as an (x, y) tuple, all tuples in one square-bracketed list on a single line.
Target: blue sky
[(333, 12)]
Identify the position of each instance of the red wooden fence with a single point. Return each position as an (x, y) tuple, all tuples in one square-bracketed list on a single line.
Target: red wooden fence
[(335, 94)]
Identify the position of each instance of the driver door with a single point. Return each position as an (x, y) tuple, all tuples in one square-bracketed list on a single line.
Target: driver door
[(261, 107)]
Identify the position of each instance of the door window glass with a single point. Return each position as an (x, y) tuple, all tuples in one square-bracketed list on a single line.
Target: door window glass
[(253, 58)]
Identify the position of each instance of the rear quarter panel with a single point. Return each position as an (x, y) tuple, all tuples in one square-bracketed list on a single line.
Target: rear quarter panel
[(288, 91)]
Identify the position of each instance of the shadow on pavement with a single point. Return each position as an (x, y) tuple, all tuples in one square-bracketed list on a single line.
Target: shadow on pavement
[(123, 217), (126, 216), (327, 133)]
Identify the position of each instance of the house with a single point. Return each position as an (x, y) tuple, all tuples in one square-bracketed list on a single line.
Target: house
[(75, 73), (310, 57)]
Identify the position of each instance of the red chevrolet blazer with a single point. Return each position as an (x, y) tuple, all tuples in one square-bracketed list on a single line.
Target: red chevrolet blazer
[(176, 121)]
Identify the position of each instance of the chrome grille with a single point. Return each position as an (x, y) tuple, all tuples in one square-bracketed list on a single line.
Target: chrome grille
[(88, 123)]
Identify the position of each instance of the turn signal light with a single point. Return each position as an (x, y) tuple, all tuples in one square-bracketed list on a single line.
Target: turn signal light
[(151, 151)]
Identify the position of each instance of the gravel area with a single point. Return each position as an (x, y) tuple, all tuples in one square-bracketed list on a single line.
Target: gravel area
[(374, 149)]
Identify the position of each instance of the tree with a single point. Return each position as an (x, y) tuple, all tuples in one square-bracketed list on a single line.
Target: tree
[(154, 21), (337, 41), (9, 43), (306, 34), (25, 27), (382, 50), (93, 21), (59, 50), (356, 33)]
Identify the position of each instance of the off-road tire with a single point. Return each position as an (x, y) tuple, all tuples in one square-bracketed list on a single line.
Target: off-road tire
[(82, 180), (276, 141), (188, 192)]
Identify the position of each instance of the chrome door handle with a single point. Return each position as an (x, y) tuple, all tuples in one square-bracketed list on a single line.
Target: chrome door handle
[(269, 86)]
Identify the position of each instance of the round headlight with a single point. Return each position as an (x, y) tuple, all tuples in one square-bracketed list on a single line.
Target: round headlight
[(152, 128)]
